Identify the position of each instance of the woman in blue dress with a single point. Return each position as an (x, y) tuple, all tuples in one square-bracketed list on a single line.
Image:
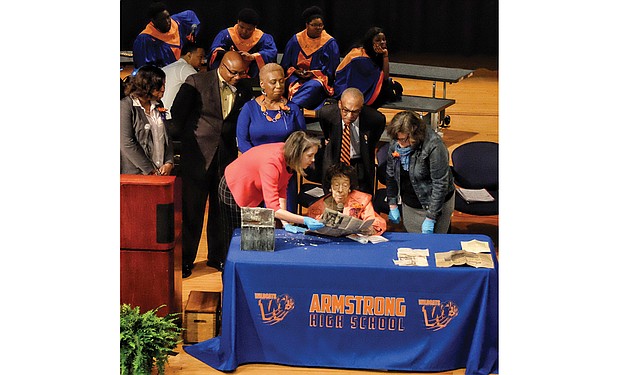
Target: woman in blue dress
[(270, 118)]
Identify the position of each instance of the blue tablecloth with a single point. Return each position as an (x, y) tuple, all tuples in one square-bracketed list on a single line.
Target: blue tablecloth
[(333, 302)]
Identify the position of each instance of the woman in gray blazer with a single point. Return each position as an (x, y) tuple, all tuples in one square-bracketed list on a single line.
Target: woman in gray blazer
[(145, 146)]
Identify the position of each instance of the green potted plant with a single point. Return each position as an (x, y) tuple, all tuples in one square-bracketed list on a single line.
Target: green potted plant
[(146, 339)]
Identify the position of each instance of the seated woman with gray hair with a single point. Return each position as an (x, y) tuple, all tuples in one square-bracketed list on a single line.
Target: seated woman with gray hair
[(341, 181)]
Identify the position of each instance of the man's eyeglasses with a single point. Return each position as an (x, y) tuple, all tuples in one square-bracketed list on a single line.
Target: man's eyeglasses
[(317, 25), (345, 110), (240, 74)]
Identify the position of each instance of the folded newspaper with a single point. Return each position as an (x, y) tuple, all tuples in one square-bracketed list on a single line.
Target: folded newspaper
[(463, 257), (337, 224)]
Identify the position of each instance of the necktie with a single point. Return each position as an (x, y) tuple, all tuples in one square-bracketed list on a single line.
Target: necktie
[(345, 149), (227, 98)]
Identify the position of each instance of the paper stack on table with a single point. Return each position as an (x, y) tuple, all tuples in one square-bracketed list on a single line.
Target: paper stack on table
[(474, 253), (361, 238), (475, 246), (411, 257)]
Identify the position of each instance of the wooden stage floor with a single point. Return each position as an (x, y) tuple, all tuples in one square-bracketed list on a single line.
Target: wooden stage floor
[(474, 117)]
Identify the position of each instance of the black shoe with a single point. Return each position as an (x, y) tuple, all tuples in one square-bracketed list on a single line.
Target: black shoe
[(215, 264), (187, 271)]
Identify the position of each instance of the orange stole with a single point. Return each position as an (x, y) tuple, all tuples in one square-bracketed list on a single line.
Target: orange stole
[(244, 45), (360, 52), (172, 37), (304, 59), (309, 45)]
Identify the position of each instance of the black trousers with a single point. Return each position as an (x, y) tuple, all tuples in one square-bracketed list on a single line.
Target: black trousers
[(231, 212), (196, 191)]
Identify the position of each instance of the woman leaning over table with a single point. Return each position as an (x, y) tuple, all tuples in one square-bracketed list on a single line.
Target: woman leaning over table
[(261, 175), (145, 146), (341, 181), (418, 176), (270, 118)]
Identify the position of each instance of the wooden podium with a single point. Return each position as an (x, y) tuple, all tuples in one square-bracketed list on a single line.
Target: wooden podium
[(151, 251)]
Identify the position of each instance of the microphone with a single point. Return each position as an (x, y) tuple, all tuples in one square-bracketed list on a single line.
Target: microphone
[(340, 207), (192, 34)]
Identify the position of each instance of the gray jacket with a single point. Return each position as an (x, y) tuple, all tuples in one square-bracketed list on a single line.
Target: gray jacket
[(137, 142), (429, 171)]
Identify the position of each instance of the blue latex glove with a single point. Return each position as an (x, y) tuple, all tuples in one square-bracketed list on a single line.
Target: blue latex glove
[(428, 226), (294, 228), (313, 224), (394, 215)]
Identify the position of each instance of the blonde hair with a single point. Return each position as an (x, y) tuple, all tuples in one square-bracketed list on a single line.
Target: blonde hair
[(296, 144), (270, 67)]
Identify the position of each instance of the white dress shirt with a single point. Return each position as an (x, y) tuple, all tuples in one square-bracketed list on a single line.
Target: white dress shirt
[(176, 74)]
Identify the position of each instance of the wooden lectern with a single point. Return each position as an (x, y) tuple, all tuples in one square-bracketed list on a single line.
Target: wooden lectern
[(151, 251)]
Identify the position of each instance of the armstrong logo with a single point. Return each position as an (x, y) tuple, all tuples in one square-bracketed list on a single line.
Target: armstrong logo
[(274, 308), (437, 315)]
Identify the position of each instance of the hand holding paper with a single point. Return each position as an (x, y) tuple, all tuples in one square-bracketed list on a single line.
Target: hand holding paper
[(313, 224)]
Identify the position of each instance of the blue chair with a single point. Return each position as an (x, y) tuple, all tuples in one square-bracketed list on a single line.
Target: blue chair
[(475, 166)]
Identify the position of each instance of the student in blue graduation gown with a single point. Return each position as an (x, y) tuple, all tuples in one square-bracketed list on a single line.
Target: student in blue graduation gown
[(309, 61)]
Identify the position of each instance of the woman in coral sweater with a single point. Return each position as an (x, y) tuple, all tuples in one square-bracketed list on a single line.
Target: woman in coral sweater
[(340, 180)]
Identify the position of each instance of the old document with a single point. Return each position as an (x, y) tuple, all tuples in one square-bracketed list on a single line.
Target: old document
[(337, 224), (411, 257), (463, 257), (475, 246)]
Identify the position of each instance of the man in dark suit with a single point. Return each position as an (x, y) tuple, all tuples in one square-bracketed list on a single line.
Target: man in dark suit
[(364, 125), (204, 114)]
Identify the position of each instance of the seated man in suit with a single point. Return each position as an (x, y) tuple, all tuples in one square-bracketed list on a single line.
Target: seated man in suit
[(352, 131)]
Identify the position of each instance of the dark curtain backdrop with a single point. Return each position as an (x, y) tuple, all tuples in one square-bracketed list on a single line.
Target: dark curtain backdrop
[(457, 27)]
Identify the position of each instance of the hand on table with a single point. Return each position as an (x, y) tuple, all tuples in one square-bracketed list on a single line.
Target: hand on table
[(294, 229)]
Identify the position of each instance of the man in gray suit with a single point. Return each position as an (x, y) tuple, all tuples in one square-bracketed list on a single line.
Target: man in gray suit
[(204, 114), (366, 125)]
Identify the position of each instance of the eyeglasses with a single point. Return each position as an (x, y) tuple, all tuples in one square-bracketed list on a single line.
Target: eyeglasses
[(317, 25), (240, 74), (343, 186), (345, 110)]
